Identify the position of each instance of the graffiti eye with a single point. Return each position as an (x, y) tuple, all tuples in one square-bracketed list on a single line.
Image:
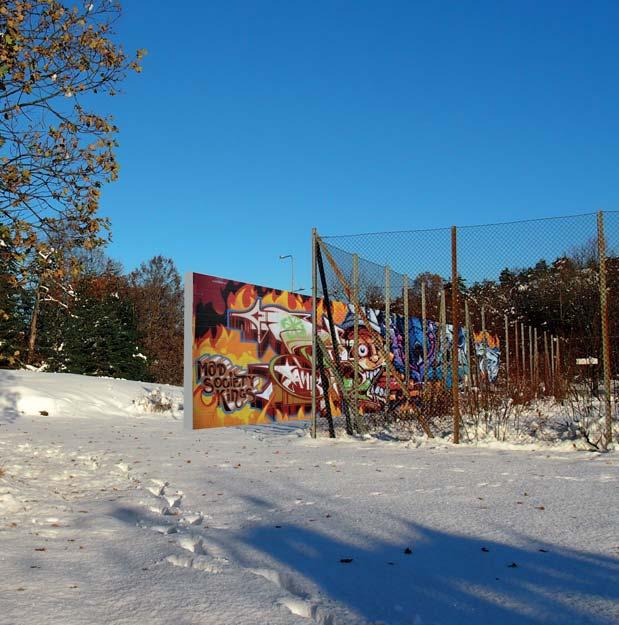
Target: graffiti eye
[(363, 351)]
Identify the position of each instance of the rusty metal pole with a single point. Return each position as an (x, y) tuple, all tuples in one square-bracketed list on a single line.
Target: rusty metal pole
[(470, 344), (484, 344), (506, 352), (523, 358), (536, 359), (546, 364), (407, 364), (314, 332), (387, 339), (605, 337), (424, 331), (531, 355), (516, 350), (443, 314), (355, 291), (552, 364), (455, 389)]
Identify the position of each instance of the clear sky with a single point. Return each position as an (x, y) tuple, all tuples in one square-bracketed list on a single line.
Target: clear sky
[(254, 121)]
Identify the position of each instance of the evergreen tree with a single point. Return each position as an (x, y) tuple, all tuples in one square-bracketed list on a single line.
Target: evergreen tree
[(12, 305)]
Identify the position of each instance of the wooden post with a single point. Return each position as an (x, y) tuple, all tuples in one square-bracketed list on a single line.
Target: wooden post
[(605, 338), (535, 361), (506, 352), (546, 364), (455, 390), (387, 338), (443, 323), (424, 331), (314, 333), (552, 362), (470, 343), (355, 293), (407, 364), (484, 345), (516, 351), (523, 353), (558, 367), (531, 355)]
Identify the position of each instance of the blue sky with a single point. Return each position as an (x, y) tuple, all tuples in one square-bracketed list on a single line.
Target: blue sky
[(254, 121)]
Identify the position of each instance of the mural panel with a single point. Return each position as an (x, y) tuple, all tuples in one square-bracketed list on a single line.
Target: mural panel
[(248, 354)]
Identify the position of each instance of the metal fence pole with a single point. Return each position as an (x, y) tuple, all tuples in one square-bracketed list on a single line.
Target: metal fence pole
[(455, 390), (483, 343), (535, 360), (552, 363), (355, 287), (407, 368), (516, 354), (387, 338), (546, 364), (470, 344), (443, 314), (424, 331), (506, 351), (314, 332), (531, 354), (558, 367), (605, 337), (523, 357)]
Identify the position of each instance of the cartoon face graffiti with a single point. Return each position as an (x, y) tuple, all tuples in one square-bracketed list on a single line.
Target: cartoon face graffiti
[(371, 363), (370, 358)]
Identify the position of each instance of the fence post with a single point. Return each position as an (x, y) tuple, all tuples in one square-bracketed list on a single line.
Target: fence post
[(523, 357), (483, 343), (552, 364), (455, 334), (546, 364), (605, 338), (516, 351), (387, 339), (558, 367), (506, 352), (424, 331), (470, 345), (407, 367), (355, 290), (531, 354), (443, 314), (535, 361), (314, 332)]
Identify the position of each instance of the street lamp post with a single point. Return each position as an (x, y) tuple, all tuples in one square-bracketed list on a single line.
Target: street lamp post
[(291, 257)]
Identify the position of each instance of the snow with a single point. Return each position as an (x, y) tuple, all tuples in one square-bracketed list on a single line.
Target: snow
[(111, 512)]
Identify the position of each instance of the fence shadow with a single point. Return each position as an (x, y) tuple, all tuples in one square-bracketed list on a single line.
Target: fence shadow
[(8, 399), (447, 578)]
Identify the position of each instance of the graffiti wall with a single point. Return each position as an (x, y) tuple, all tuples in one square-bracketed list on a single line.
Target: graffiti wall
[(248, 354)]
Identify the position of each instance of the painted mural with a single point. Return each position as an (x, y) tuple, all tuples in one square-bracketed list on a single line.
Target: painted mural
[(251, 354)]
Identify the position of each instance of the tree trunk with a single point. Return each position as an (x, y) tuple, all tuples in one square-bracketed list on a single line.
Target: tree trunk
[(33, 325)]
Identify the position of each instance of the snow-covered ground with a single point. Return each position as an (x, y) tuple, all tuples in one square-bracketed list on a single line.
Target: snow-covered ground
[(112, 513)]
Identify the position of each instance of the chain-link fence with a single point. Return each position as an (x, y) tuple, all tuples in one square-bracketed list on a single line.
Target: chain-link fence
[(534, 307)]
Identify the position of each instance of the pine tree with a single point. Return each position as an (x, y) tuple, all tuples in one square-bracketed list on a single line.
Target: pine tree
[(12, 304), (97, 334)]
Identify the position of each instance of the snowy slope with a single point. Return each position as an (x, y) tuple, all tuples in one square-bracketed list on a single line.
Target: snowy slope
[(110, 513)]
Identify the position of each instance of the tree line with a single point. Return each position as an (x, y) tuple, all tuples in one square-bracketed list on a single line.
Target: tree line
[(99, 321)]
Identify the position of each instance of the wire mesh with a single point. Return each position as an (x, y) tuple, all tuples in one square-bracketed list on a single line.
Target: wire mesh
[(530, 322)]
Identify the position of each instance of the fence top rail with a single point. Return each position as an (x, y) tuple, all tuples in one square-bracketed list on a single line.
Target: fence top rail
[(448, 228)]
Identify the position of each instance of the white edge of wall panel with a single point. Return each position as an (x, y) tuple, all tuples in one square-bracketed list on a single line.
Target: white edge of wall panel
[(188, 354)]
